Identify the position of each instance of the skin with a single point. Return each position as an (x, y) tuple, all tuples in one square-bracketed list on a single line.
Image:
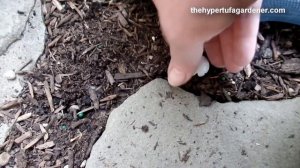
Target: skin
[(228, 39)]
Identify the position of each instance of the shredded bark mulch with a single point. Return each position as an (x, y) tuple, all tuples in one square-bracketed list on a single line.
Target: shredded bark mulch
[(99, 53)]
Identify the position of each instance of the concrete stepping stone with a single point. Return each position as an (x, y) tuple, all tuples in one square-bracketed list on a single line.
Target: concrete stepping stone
[(22, 38), (161, 126)]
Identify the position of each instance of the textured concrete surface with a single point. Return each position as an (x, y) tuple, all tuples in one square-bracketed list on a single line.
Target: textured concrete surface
[(3, 132), (22, 36), (14, 15), (161, 126)]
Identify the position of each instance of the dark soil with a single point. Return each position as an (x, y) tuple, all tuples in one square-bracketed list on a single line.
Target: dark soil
[(98, 54)]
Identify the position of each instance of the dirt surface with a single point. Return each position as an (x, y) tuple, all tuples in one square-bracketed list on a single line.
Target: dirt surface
[(98, 54)]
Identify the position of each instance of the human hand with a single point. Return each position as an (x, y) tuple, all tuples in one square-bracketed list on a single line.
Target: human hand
[(229, 40)]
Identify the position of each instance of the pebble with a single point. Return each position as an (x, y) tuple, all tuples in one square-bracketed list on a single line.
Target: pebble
[(83, 164), (291, 91), (257, 88), (268, 53), (4, 158), (9, 75), (203, 67)]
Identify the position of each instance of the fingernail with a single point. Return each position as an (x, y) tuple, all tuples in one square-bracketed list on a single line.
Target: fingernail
[(176, 77), (234, 69)]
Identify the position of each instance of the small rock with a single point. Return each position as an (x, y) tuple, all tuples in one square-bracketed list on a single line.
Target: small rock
[(268, 53), (257, 87), (45, 124), (9, 75), (291, 91), (74, 108), (83, 164), (66, 166), (4, 158)]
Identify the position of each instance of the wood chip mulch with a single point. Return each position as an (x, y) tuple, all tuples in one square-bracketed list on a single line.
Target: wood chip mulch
[(274, 73), (99, 53)]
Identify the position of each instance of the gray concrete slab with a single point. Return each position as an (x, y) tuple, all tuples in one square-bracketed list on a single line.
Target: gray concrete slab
[(161, 126), (22, 36), (13, 18)]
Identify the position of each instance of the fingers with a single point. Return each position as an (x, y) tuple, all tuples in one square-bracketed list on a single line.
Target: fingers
[(242, 35), (184, 62), (245, 38), (226, 40), (214, 52)]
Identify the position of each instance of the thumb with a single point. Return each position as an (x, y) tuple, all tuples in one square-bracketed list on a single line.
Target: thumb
[(185, 60)]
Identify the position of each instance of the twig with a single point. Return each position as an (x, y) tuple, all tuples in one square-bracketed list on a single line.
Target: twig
[(24, 117), (119, 76), (20, 128), (265, 69), (46, 136), (33, 142), (65, 19), (52, 43), (86, 110), (73, 6), (49, 96), (23, 137), (10, 104), (15, 120), (25, 65), (87, 50), (30, 89), (59, 109), (80, 122), (108, 98), (71, 158), (187, 117), (46, 145), (57, 4)]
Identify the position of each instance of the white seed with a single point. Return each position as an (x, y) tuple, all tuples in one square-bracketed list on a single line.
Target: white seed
[(203, 67), (153, 38), (83, 164), (9, 75)]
